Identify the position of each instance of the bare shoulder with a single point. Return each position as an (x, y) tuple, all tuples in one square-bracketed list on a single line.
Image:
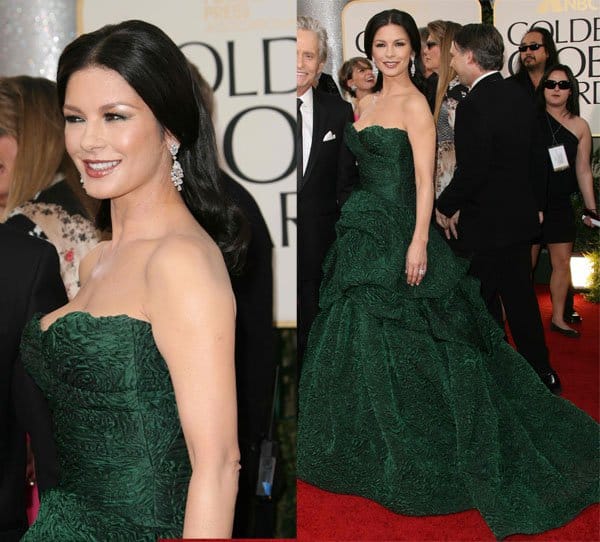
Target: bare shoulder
[(415, 104), (87, 264), (581, 128), (416, 112), (185, 257)]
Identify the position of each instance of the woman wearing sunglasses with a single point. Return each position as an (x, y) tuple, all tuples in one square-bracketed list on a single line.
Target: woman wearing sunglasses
[(568, 143), (449, 93)]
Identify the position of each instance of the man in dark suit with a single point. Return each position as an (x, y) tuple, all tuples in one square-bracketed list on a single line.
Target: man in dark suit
[(492, 203), (326, 169), (30, 279), (537, 52)]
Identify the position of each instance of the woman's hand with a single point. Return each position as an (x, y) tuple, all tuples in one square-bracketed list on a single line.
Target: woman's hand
[(416, 262)]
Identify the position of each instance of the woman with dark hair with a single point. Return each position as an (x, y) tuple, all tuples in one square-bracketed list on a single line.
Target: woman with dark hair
[(567, 138), (409, 395), (356, 78), (138, 368)]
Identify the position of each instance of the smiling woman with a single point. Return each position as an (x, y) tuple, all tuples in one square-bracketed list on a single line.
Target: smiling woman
[(117, 144), (409, 394), (146, 346)]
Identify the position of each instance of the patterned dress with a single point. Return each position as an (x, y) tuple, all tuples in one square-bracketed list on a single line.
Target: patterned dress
[(446, 157), (57, 216)]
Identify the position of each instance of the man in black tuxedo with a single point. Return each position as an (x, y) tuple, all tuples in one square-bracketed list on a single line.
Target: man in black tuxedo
[(326, 169), (30, 279), (492, 203)]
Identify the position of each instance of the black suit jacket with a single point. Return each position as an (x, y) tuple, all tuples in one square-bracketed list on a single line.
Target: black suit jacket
[(30, 279), (327, 182), (495, 185)]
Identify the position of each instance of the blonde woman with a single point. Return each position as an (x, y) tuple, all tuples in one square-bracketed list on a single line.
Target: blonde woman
[(448, 94), (39, 191)]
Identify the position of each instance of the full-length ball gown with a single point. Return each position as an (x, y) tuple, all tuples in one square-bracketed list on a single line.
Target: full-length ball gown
[(123, 463), (410, 396)]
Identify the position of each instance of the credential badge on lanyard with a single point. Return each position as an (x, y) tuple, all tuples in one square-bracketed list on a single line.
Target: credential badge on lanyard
[(558, 155)]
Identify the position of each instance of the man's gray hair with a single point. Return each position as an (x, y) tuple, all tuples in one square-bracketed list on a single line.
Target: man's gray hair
[(308, 23)]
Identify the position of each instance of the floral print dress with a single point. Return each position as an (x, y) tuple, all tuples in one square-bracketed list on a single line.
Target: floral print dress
[(56, 216), (446, 156)]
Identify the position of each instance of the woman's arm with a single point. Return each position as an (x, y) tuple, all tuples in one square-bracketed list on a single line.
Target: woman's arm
[(583, 169), (421, 133), (192, 311)]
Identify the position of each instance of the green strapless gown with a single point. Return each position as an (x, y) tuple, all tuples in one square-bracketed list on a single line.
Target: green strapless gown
[(410, 396), (123, 463)]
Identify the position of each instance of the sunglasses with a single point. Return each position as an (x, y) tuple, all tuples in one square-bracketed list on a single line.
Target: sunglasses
[(431, 44), (533, 47), (562, 85)]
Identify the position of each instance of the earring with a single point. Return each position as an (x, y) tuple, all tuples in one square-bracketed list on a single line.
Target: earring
[(353, 88), (176, 171), (81, 180), (412, 67)]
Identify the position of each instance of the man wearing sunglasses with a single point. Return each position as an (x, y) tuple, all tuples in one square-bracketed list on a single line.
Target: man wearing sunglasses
[(537, 51)]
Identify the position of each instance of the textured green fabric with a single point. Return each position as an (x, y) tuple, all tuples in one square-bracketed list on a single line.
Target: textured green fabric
[(409, 396), (124, 468)]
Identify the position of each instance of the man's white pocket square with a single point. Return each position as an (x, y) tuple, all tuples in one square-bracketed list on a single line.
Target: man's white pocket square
[(329, 136)]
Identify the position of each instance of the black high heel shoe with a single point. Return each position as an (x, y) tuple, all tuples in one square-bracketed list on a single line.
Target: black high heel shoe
[(567, 332)]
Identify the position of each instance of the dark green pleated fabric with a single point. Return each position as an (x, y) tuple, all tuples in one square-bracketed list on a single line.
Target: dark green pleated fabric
[(123, 464), (410, 396)]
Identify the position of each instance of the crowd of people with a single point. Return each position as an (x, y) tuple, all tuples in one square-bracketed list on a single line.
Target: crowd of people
[(410, 394), (138, 357)]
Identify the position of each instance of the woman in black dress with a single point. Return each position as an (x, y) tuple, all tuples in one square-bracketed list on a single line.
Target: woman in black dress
[(568, 139)]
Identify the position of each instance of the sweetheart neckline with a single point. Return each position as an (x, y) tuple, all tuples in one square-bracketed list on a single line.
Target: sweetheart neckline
[(377, 126), (89, 315)]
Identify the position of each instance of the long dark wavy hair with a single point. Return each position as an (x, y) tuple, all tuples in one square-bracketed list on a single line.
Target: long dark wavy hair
[(158, 71), (405, 20), (573, 99), (549, 47)]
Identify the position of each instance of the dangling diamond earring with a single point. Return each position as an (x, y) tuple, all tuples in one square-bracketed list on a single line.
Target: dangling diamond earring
[(176, 171), (81, 180), (413, 70)]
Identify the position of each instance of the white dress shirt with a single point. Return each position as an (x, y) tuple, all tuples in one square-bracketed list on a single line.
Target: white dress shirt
[(306, 110)]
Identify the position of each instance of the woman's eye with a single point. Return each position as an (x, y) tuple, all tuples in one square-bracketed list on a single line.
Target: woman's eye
[(72, 118), (113, 116)]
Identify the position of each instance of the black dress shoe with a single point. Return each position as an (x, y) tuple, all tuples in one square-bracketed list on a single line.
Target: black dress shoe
[(572, 318), (552, 382), (571, 333)]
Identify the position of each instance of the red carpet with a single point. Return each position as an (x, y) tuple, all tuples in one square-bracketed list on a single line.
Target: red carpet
[(327, 516)]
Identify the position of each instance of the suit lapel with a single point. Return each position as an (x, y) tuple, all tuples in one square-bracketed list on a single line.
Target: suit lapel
[(319, 120)]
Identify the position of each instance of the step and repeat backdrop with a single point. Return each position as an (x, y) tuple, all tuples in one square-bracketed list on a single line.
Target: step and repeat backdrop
[(245, 49)]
